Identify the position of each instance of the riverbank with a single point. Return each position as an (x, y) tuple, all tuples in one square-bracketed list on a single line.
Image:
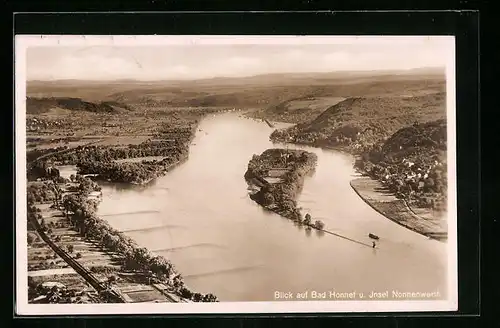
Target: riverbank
[(375, 194), (137, 173), (134, 259), (165, 170), (52, 279), (154, 275), (186, 217), (279, 174), (409, 164), (138, 164), (101, 252)]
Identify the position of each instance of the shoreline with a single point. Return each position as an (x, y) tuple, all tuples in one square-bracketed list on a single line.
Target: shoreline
[(280, 197), (143, 260), (396, 210), (294, 214), (159, 175), (404, 216), (163, 172), (162, 269)]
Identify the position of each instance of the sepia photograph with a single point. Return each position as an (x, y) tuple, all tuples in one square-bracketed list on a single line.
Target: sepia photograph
[(235, 174)]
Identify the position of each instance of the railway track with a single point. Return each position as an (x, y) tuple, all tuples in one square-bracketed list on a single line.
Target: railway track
[(111, 294)]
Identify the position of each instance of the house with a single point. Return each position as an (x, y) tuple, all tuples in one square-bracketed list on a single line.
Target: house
[(273, 180), (95, 195), (48, 285), (39, 299)]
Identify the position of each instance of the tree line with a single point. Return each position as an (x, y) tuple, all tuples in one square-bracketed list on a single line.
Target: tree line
[(127, 172), (82, 214), (107, 153)]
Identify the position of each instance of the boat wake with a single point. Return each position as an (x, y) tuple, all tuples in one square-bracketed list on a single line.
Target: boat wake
[(173, 249), (129, 213), (224, 271), (167, 226)]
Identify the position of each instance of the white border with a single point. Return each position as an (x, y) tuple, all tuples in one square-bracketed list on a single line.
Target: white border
[(22, 306)]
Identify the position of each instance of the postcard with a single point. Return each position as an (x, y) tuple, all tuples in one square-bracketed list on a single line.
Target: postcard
[(235, 174)]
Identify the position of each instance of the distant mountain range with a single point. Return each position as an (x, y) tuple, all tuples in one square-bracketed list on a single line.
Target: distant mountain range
[(266, 78), (293, 96)]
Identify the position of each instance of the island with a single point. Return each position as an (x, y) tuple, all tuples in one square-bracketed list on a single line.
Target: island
[(277, 177), (401, 157)]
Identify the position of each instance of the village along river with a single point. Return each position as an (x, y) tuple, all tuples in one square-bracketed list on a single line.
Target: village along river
[(200, 217)]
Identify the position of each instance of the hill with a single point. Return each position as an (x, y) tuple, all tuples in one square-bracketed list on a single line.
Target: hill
[(412, 163), (429, 135), (44, 105), (263, 92), (358, 123), (296, 110)]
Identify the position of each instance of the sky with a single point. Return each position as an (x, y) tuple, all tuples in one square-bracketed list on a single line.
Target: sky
[(198, 61)]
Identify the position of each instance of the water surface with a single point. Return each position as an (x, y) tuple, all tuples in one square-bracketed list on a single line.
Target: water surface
[(200, 217)]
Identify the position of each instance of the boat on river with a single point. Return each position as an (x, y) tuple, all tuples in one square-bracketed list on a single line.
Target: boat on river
[(372, 236)]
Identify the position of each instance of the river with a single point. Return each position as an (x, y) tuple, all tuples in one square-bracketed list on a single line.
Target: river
[(200, 217)]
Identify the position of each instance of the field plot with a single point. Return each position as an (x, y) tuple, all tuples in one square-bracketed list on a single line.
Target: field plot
[(72, 285), (46, 270), (42, 257), (298, 110), (142, 293), (56, 143), (61, 232), (313, 103), (374, 194), (122, 140)]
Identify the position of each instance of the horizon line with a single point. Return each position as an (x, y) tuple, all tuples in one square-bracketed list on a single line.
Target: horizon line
[(244, 76)]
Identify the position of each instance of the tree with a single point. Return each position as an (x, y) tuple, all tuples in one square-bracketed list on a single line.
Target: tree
[(54, 295), (197, 297), (429, 184), (307, 219), (31, 238), (209, 298), (142, 256), (268, 199), (70, 248), (31, 198), (159, 266), (319, 224)]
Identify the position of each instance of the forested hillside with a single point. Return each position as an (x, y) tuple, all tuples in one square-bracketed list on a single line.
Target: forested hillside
[(43, 105), (412, 163), (358, 123)]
